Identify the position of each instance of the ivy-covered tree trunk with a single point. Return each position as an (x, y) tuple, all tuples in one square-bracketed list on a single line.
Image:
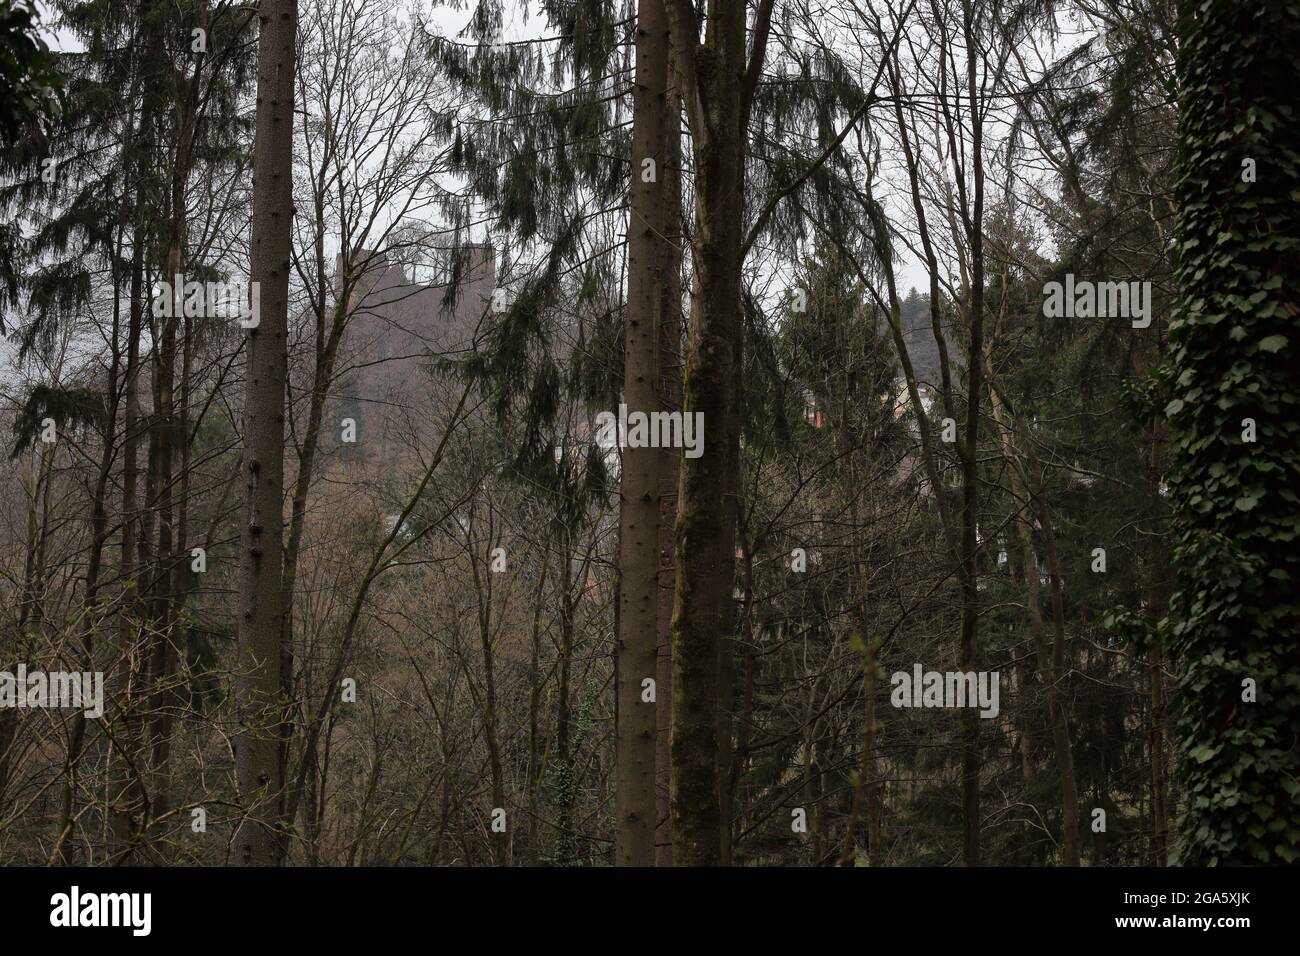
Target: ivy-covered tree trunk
[(259, 773), (1235, 428)]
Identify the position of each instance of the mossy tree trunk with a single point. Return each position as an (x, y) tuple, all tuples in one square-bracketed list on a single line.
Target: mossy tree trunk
[(717, 86)]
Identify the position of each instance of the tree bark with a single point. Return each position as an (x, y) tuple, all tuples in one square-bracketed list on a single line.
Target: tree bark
[(970, 756), (258, 769), (638, 638), (717, 88), (670, 467), (125, 797)]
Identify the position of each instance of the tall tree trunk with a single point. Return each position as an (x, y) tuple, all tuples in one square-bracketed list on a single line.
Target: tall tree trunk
[(326, 354), (488, 705), (162, 649), (161, 654), (125, 795), (638, 638), (870, 774), (969, 446), (717, 87), (869, 784), (566, 842), (670, 467), (259, 772), (533, 780), (1056, 676)]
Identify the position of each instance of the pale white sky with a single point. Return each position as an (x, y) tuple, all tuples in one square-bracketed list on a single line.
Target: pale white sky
[(521, 22)]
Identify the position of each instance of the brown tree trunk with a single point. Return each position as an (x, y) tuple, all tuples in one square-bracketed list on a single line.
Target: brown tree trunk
[(533, 780), (161, 655), (638, 637), (969, 446), (870, 773), (488, 705), (162, 652), (1056, 672), (258, 770), (567, 838), (670, 400), (869, 784), (717, 87), (125, 795), (326, 354)]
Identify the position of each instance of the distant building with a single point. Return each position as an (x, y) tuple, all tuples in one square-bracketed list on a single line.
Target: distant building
[(399, 327)]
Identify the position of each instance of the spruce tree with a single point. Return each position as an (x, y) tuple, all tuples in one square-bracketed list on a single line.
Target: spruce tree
[(259, 765)]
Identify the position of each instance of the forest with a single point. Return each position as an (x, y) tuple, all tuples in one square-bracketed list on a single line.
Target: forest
[(689, 433)]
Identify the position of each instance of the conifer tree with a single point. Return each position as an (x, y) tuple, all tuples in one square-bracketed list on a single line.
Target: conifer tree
[(258, 757), (649, 261)]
